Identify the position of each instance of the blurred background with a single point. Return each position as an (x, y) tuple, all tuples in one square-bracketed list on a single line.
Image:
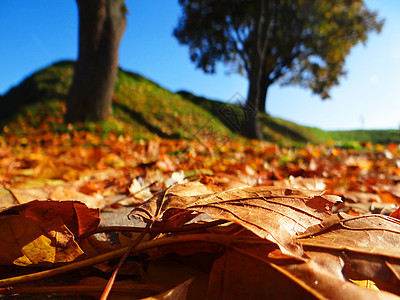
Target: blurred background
[(37, 34)]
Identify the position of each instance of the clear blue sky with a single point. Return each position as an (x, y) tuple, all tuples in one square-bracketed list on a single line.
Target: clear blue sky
[(34, 34)]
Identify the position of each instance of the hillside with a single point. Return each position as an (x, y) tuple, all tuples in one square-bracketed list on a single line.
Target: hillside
[(140, 107), (146, 110)]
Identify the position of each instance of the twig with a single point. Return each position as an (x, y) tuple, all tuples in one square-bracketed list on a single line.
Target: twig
[(203, 237), (188, 227), (111, 281), (131, 195), (12, 194), (81, 289)]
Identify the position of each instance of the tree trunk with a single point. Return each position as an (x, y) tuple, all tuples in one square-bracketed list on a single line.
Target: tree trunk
[(252, 128), (101, 26), (257, 73), (263, 89)]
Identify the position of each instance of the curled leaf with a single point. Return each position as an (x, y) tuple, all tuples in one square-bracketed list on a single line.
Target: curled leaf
[(273, 213)]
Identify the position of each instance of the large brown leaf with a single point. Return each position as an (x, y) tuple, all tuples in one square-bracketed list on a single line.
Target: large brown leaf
[(371, 234), (273, 213), (368, 246), (252, 268)]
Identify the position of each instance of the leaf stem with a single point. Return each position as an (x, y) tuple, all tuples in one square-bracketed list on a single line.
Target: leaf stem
[(111, 281), (82, 289), (202, 237), (189, 227)]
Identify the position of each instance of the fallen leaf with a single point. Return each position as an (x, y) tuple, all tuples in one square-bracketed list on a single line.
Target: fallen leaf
[(275, 214), (44, 231), (367, 245), (251, 268), (75, 215), (396, 214), (177, 293), (27, 195), (122, 289), (68, 192), (239, 274), (24, 242), (316, 184)]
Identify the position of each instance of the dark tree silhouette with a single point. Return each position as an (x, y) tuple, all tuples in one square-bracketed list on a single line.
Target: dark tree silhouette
[(101, 26), (303, 42)]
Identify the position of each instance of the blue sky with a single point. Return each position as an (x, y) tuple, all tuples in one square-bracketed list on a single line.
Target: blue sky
[(35, 34)]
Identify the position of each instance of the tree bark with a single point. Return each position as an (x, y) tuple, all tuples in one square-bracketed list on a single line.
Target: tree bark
[(257, 74), (262, 95), (252, 128), (101, 26)]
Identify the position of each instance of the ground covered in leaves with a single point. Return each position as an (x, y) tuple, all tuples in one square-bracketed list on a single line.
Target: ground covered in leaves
[(206, 220)]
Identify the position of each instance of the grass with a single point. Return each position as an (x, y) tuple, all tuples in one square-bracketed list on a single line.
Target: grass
[(145, 110), (140, 108)]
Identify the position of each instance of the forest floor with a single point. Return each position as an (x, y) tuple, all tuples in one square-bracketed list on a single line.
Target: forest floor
[(172, 199), (275, 215)]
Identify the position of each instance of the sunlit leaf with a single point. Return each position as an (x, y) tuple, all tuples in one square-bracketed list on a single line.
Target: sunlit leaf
[(276, 214)]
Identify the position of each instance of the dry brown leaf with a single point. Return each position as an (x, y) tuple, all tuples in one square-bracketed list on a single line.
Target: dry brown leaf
[(361, 197), (240, 274), (367, 245), (122, 289), (322, 277), (316, 184), (273, 213), (27, 195), (63, 193), (177, 293), (370, 234), (252, 268)]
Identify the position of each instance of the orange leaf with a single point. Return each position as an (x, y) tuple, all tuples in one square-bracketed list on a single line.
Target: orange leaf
[(24, 242), (75, 215), (396, 214)]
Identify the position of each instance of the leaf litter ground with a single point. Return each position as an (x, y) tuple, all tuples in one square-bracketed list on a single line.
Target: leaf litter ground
[(239, 220)]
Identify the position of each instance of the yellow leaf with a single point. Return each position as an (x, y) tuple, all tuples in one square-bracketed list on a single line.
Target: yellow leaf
[(39, 250), (369, 284)]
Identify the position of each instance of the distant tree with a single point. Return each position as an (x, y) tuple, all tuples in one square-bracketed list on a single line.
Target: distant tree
[(300, 42), (101, 26)]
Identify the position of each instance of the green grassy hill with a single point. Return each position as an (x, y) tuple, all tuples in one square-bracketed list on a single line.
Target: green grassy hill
[(140, 107), (145, 110)]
